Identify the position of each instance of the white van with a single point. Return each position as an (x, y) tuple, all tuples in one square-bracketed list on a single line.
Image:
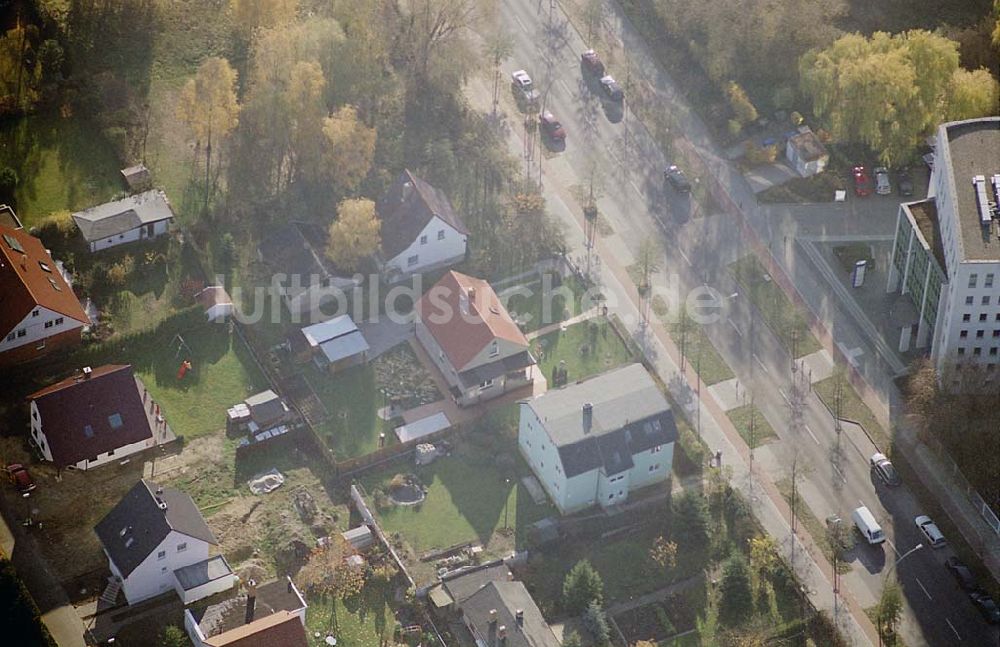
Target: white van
[(865, 522)]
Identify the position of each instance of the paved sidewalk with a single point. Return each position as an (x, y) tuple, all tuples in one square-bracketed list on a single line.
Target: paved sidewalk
[(562, 325)]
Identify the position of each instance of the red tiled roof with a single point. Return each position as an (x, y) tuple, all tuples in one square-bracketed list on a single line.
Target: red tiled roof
[(280, 629), (68, 407), (462, 336), (25, 285)]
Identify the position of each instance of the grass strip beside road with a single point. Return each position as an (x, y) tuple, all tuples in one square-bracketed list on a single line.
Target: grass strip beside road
[(701, 353), (779, 313), (852, 407), (763, 431), (813, 525)]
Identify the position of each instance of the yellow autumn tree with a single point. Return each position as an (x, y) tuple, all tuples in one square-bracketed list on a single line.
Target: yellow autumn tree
[(355, 235), (349, 148), (306, 109), (209, 107), (329, 571), (251, 14)]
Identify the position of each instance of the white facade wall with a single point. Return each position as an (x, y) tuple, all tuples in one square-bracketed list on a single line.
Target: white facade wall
[(439, 244), (155, 575), (36, 432), (160, 228), (40, 324), (978, 301), (205, 590)]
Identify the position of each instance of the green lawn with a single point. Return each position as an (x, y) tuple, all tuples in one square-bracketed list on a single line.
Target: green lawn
[(779, 314), (852, 407), (534, 307), (623, 562), (588, 348), (353, 397), (223, 374), (62, 164), (468, 496), (848, 255), (701, 354), (358, 622), (740, 417)]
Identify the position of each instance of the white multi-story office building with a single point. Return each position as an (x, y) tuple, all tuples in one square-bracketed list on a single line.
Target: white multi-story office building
[(946, 253)]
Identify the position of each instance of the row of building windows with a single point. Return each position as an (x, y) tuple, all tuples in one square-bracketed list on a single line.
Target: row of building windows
[(21, 332), (982, 317), (964, 334), (978, 351), (987, 282), (983, 301)]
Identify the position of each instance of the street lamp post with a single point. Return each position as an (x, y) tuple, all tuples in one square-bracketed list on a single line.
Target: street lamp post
[(506, 501), (885, 580)]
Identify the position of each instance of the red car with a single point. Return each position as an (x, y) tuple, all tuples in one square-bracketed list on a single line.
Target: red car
[(18, 475), (862, 181), (551, 127)]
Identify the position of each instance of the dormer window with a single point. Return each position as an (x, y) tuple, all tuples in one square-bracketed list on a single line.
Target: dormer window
[(45, 266)]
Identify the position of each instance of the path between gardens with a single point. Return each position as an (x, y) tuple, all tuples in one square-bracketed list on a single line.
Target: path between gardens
[(560, 325)]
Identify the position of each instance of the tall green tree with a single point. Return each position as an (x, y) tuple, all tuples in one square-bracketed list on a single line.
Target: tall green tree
[(581, 587), (889, 91), (889, 608), (973, 94), (691, 519), (736, 594)]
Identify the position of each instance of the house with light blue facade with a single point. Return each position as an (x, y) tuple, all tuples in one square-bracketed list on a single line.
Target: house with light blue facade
[(595, 441)]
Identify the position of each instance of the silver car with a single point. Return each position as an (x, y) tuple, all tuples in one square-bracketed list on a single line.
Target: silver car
[(882, 185)]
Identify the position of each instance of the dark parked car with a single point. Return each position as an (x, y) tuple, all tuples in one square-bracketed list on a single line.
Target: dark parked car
[(591, 63), (904, 183), (987, 606), (551, 127), (677, 179), (611, 89), (962, 573), (19, 476)]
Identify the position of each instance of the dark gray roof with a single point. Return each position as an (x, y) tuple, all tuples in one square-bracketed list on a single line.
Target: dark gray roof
[(216, 617), (266, 407), (298, 248), (507, 598), (616, 455), (462, 586), (120, 216), (407, 207), (137, 525), (493, 370), (203, 572), (580, 457), (630, 415)]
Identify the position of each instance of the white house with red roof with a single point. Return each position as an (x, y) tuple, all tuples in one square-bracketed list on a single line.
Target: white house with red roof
[(38, 310), (472, 339), (95, 417)]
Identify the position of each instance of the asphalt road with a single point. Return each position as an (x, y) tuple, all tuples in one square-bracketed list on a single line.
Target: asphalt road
[(638, 205)]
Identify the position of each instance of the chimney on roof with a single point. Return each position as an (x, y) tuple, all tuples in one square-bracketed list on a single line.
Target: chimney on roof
[(251, 600), (588, 417), (502, 634), (86, 372), (493, 616), (519, 615), (406, 192), (24, 261), (472, 295), (161, 504)]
